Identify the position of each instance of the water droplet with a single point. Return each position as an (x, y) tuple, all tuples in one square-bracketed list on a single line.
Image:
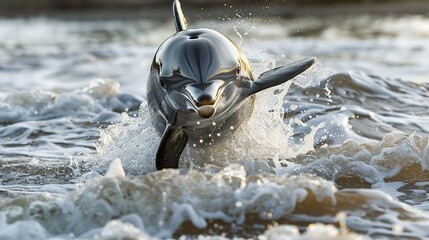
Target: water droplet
[(293, 107)]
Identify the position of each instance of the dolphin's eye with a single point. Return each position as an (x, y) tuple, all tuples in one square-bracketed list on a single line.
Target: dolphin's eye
[(162, 83), (237, 72)]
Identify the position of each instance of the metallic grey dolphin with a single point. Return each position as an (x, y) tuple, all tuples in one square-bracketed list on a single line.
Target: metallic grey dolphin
[(201, 88)]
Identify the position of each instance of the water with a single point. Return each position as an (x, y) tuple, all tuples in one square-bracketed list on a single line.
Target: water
[(341, 152)]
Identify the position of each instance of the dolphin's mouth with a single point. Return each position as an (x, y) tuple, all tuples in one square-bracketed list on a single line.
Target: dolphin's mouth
[(204, 97), (206, 111)]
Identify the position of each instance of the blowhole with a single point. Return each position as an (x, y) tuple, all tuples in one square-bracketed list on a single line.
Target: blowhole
[(194, 37)]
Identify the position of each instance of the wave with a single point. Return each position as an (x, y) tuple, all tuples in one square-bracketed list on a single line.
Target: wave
[(172, 202), (94, 101)]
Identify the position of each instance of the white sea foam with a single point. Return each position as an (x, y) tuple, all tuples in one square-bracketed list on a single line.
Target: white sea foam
[(115, 169), (134, 141), (208, 202), (396, 157), (99, 96)]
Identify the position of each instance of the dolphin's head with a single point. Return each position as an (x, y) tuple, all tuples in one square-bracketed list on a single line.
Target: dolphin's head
[(200, 71)]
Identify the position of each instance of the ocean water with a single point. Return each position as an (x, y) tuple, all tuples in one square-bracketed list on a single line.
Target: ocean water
[(340, 152)]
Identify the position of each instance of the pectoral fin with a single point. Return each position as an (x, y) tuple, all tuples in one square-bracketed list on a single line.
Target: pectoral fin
[(280, 75), (173, 142)]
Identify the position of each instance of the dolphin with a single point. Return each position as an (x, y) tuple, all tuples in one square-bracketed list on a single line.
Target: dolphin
[(201, 88)]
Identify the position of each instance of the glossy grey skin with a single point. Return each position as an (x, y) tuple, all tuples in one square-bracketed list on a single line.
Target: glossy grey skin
[(201, 88), (194, 68)]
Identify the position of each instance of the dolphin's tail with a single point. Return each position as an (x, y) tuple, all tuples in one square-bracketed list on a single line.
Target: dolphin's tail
[(179, 17)]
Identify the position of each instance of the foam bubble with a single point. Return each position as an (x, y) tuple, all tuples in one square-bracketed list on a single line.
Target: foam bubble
[(314, 231), (26, 229)]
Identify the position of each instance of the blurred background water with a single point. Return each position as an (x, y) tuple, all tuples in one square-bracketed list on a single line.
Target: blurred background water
[(340, 152)]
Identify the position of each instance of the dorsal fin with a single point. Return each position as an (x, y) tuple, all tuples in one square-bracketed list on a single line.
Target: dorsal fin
[(179, 17)]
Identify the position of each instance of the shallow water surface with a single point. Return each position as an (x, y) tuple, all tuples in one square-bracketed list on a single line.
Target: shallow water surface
[(340, 152)]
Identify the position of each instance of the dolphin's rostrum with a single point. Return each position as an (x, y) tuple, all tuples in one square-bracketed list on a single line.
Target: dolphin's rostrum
[(201, 88)]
